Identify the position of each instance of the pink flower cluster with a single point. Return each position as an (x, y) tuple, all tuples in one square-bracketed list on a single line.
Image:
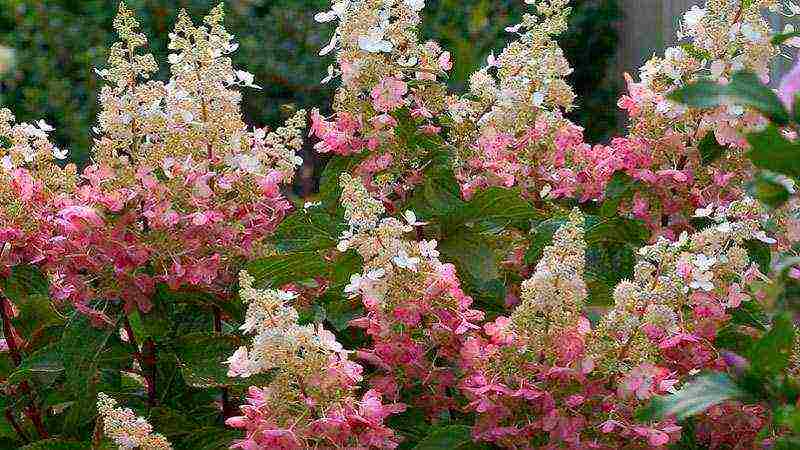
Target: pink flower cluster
[(180, 191), (356, 425), (405, 336)]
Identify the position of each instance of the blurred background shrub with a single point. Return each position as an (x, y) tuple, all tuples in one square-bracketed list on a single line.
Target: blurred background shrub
[(49, 48)]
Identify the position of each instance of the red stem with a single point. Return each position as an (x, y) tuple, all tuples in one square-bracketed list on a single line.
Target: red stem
[(9, 413), (147, 364), (31, 411)]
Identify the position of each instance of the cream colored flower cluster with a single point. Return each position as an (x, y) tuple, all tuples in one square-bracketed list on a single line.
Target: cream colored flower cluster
[(393, 264), (196, 116), (553, 298), (32, 184), (360, 210), (279, 341), (126, 429), (179, 156), (377, 39), (721, 38), (527, 78), (680, 288), (505, 127), (28, 146), (310, 374)]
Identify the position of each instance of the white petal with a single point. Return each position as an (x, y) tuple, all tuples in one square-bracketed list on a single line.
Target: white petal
[(331, 45)]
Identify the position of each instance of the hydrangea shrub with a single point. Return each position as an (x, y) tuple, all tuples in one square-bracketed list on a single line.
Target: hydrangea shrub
[(472, 274)]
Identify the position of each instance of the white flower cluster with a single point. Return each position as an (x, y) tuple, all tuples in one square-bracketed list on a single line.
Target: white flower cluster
[(553, 297), (709, 270), (126, 429), (279, 341), (195, 118), (531, 70)]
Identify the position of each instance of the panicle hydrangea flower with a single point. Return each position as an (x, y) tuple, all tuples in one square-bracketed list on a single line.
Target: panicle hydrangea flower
[(180, 189), (664, 148), (515, 136), (416, 313), (680, 295), (126, 429), (310, 400), (515, 104), (548, 321), (32, 188), (388, 77), (583, 385)]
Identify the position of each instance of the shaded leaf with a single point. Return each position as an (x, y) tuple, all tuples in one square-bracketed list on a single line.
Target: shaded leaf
[(329, 189), (210, 438), (496, 205), (759, 253), (619, 189), (57, 444), (311, 229), (710, 149), (278, 270), (770, 354), (45, 361), (449, 437), (770, 150), (769, 190), (476, 264), (85, 350), (202, 357), (780, 38), (744, 89), (694, 397), (615, 230), (542, 237)]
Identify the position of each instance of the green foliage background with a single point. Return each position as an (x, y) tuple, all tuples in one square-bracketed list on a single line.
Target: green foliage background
[(57, 44)]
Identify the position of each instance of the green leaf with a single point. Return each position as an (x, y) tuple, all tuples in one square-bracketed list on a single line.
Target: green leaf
[(788, 416), (24, 281), (770, 354), (744, 89), (45, 361), (710, 149), (85, 351), (497, 206), (751, 314), (759, 253), (311, 229), (542, 237), (620, 188), (769, 190), (173, 424), (476, 263), (202, 357), (176, 298), (341, 311), (606, 265), (615, 230), (438, 195), (27, 287), (211, 438), (770, 150), (329, 189), (278, 270), (780, 38), (445, 438), (694, 397)]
